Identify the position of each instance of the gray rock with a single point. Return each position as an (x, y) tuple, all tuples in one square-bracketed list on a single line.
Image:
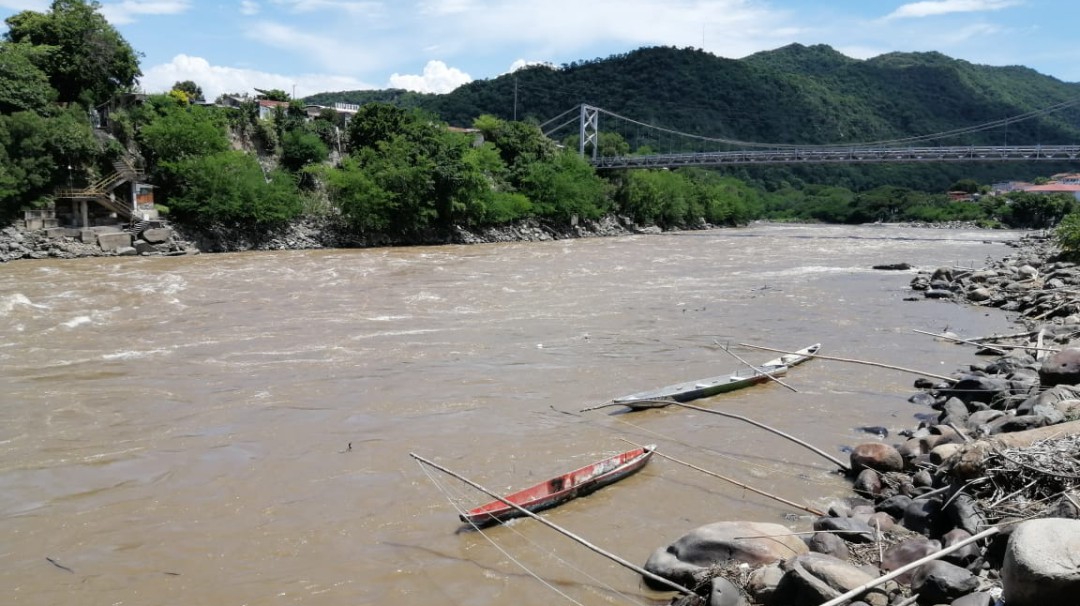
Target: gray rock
[(720, 542), (923, 516), (974, 599), (126, 251), (978, 388), (763, 582), (965, 514), (1062, 368), (954, 411), (1011, 423), (159, 235), (964, 556), (1042, 563), (812, 579), (828, 544), (938, 293), (895, 506), (725, 593), (978, 295), (868, 483), (940, 582), (848, 529), (906, 552)]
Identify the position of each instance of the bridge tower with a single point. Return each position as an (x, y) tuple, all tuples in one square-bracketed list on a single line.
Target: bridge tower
[(590, 129)]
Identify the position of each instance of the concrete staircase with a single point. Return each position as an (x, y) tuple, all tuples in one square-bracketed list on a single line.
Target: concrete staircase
[(103, 191)]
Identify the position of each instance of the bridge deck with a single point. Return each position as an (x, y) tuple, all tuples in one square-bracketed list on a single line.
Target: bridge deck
[(847, 155)]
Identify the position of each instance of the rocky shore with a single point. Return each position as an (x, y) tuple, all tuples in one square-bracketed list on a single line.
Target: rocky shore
[(310, 233), (977, 507)]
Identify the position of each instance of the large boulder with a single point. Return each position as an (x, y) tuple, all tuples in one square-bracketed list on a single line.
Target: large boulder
[(1062, 368), (1042, 563), (877, 456), (695, 552)]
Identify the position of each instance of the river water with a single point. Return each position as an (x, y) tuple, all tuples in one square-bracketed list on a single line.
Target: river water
[(235, 429)]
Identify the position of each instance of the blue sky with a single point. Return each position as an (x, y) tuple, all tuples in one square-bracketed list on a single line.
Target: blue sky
[(309, 46)]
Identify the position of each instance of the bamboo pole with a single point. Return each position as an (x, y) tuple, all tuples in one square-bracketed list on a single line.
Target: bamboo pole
[(733, 481), (899, 571), (959, 340), (599, 406), (1017, 335), (757, 368), (559, 529), (773, 430), (998, 347), (878, 364)]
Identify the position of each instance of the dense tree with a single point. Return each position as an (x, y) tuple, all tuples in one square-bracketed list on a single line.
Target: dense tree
[(375, 123), (39, 154), (89, 61), (229, 188), (299, 149), (23, 85), (192, 91), (175, 132), (564, 187)]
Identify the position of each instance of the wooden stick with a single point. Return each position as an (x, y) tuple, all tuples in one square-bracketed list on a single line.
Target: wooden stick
[(559, 529), (1018, 335), (959, 340), (599, 406), (878, 364), (758, 369), (899, 571), (735, 482), (787, 436)]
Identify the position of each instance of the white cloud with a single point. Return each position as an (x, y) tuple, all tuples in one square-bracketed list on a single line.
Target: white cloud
[(523, 63), (352, 7), (339, 54), (437, 78), (249, 7), (933, 8), (25, 5), (216, 80), (120, 13)]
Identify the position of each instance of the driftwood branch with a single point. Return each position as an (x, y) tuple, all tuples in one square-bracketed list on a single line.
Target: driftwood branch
[(773, 430), (733, 481), (867, 363), (559, 529), (841, 599)]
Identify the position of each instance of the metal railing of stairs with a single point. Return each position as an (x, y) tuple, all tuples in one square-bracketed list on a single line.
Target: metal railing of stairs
[(101, 191)]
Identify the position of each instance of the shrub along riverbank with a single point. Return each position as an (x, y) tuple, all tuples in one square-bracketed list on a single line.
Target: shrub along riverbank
[(977, 504)]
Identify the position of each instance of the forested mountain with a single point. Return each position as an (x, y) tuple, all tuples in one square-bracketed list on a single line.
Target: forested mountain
[(794, 94)]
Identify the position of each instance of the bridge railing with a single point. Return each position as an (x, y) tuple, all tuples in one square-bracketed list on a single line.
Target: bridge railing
[(847, 155)]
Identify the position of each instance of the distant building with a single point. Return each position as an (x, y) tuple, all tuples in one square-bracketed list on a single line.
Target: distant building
[(267, 108), (1072, 189)]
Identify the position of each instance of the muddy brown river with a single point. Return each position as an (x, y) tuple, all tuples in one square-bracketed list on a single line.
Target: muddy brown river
[(236, 429)]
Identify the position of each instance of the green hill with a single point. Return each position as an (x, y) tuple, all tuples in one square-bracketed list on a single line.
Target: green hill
[(794, 94)]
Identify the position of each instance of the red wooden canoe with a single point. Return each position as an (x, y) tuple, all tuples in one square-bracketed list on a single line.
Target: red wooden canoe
[(561, 488)]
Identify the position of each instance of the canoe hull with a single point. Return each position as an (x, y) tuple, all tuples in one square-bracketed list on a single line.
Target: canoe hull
[(562, 488), (704, 388)]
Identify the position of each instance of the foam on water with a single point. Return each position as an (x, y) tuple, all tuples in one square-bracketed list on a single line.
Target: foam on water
[(77, 321), (132, 354), (9, 303)]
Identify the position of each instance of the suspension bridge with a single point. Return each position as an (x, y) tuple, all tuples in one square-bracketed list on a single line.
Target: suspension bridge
[(925, 148)]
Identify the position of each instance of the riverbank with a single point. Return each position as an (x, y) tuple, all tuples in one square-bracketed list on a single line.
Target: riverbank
[(978, 503), (306, 234)]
